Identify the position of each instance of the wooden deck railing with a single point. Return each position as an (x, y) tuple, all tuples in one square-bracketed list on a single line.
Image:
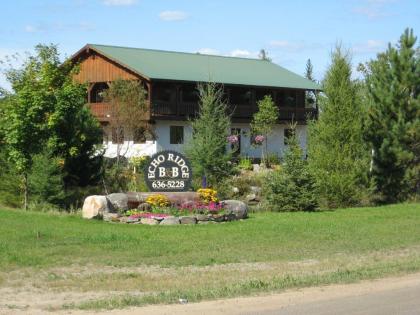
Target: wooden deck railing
[(168, 110)]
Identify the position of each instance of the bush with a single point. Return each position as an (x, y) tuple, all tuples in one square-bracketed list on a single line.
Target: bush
[(291, 188), (245, 164), (10, 183)]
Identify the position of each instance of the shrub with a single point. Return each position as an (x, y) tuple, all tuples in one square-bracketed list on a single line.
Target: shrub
[(245, 164)]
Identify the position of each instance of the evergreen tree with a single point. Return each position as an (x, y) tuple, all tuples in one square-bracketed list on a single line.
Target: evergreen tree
[(264, 121), (263, 55), (291, 188), (310, 96), (393, 124), (207, 146), (338, 156)]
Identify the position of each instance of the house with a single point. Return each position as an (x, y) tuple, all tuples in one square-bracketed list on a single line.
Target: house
[(171, 78)]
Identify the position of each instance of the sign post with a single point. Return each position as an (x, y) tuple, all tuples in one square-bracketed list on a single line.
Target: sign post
[(168, 171)]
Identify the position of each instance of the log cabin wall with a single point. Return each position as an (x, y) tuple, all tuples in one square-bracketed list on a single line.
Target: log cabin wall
[(95, 68)]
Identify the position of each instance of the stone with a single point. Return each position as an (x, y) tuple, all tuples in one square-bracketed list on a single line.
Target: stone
[(170, 221), (235, 190), (123, 219), (119, 201), (144, 206), (132, 220), (201, 217), (251, 197), (95, 206), (255, 189), (188, 220), (238, 208), (256, 167), (111, 217), (149, 221), (217, 218)]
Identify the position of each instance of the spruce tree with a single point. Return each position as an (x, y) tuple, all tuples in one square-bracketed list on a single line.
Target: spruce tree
[(207, 146), (338, 156), (292, 188), (393, 124)]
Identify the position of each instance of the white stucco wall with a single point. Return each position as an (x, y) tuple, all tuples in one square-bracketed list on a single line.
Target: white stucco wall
[(162, 142)]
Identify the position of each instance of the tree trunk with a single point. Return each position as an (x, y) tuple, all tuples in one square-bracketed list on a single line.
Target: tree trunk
[(25, 191)]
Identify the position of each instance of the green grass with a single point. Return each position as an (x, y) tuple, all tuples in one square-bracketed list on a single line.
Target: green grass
[(30, 239)]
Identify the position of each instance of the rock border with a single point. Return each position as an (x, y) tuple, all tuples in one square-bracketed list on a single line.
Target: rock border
[(110, 206)]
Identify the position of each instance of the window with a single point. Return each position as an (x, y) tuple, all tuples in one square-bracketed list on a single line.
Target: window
[(288, 133), (240, 96), (176, 134), (189, 94), (118, 135), (97, 92)]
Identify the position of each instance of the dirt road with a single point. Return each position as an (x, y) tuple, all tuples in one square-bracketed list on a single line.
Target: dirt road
[(385, 296)]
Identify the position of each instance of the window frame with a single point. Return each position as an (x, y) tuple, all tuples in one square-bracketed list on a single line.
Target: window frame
[(176, 134)]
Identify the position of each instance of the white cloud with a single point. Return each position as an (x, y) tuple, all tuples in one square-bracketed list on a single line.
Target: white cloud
[(370, 46), (374, 9), (208, 51), (32, 29), (243, 53), (173, 15), (119, 2)]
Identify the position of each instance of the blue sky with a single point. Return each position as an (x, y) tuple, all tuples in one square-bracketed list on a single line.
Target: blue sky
[(291, 31)]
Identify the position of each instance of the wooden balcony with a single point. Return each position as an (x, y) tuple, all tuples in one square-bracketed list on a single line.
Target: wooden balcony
[(240, 113), (102, 111)]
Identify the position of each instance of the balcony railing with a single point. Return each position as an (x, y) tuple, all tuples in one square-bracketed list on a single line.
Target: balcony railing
[(102, 111), (169, 110)]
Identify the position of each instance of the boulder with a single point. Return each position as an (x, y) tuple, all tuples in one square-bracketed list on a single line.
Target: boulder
[(119, 201), (235, 190), (149, 221), (95, 207), (144, 206), (170, 221), (188, 220), (238, 208)]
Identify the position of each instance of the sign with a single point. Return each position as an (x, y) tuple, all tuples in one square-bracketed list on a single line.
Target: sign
[(168, 171)]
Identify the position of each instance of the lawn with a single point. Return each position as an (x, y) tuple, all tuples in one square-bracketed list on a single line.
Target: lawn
[(267, 252)]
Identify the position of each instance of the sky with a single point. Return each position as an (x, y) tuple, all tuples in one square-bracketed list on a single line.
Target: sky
[(290, 31)]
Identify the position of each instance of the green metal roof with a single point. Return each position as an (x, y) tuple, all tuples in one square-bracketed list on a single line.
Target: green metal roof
[(169, 65)]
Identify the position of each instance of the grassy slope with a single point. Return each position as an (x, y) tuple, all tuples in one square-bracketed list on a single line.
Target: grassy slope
[(265, 237)]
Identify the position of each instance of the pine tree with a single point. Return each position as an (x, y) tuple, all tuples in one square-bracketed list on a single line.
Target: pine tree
[(338, 156), (292, 188), (208, 143), (393, 124)]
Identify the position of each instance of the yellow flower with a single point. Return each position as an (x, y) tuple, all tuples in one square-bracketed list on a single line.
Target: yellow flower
[(207, 195), (158, 200)]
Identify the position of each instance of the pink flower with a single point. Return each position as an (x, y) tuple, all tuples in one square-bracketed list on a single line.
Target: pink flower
[(232, 139), (259, 139)]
